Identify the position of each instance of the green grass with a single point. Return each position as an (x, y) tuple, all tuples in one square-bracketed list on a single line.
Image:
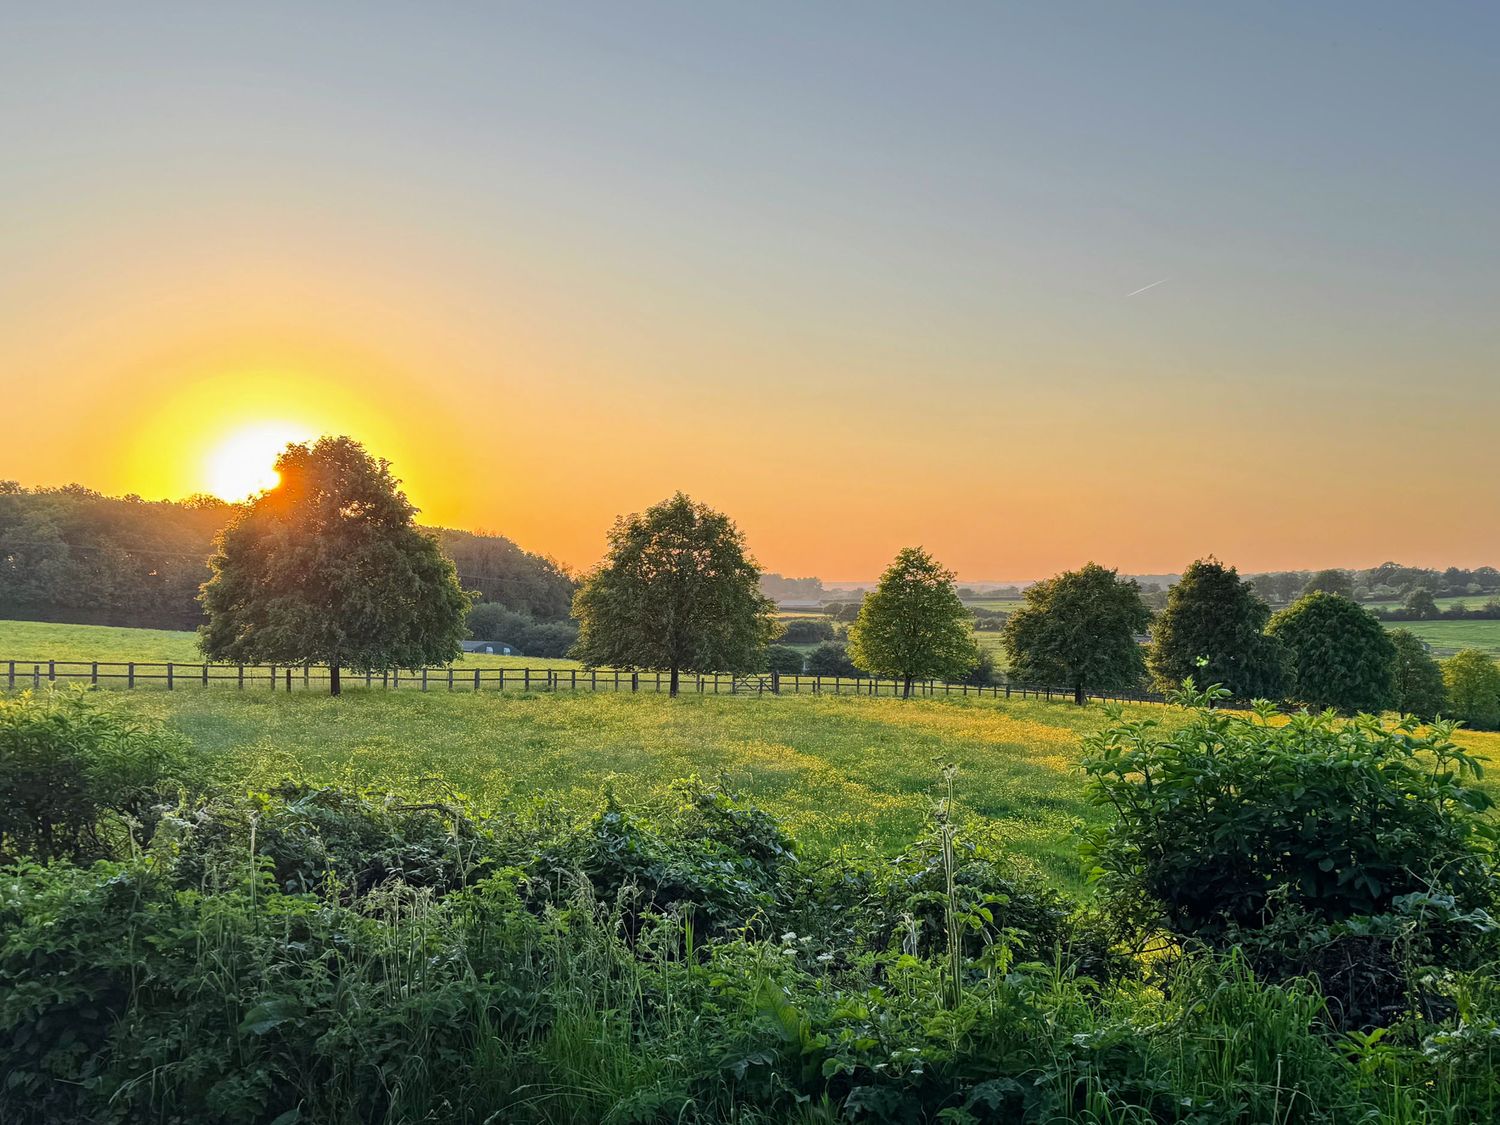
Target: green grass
[(1448, 637), (841, 771), (30, 642)]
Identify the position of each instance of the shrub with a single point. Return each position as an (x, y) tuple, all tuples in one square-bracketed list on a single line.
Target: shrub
[(73, 770), (1219, 819), (807, 631), (490, 621), (1338, 655), (830, 660), (1472, 680), (784, 659)]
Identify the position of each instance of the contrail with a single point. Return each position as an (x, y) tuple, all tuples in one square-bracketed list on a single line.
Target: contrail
[(1143, 288)]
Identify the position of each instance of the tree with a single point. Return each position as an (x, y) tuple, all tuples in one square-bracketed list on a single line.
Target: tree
[(1338, 655), (1472, 681), (1420, 605), (1331, 582), (785, 660), (1214, 616), (329, 567), (912, 625), (830, 659), (677, 592), (1418, 679), (1078, 629)]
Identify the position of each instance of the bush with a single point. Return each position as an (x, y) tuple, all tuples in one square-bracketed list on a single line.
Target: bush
[(806, 631), (1338, 655), (1472, 680), (1352, 851), (781, 658), (73, 772), (830, 660), (490, 621)]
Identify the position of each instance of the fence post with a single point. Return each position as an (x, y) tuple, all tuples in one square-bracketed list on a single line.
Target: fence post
[(450, 677), (205, 675), (11, 681), (593, 679), (369, 676), (52, 671), (287, 678), (526, 679), (573, 685), (169, 675), (273, 677), (775, 682), (476, 679), (635, 682), (502, 679), (94, 674), (306, 675), (129, 675), (424, 677), (36, 677), (241, 677)]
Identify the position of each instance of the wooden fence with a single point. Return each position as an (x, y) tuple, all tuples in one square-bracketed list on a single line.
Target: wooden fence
[(18, 675)]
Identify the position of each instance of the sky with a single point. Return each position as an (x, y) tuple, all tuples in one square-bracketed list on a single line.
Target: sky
[(1027, 284)]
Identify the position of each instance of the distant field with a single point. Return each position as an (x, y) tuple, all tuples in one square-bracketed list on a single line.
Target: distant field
[(1448, 637), (43, 641), (1473, 601)]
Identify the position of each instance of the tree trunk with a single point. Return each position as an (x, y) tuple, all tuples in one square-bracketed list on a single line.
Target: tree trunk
[(334, 687), (1078, 695), (906, 688), (672, 691)]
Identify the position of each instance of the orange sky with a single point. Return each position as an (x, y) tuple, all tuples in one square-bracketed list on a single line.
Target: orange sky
[(862, 289)]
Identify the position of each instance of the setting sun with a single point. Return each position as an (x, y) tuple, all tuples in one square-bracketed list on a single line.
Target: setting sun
[(241, 465)]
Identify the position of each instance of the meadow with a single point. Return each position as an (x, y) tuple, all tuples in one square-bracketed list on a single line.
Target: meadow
[(843, 773)]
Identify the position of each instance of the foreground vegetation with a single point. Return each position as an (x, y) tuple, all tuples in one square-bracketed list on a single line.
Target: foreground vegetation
[(172, 948)]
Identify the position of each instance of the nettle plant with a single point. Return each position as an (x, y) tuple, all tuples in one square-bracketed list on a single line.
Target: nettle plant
[(1226, 821)]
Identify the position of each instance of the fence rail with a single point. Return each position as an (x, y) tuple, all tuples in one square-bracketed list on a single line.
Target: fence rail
[(18, 675)]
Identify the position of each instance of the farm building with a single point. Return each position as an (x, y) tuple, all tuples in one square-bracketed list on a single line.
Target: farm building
[(490, 648)]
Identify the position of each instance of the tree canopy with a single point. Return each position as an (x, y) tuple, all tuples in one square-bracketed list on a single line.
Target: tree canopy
[(1337, 654), (1213, 616), (329, 567), (913, 626), (1079, 630), (1332, 581), (1472, 681), (1418, 679), (677, 592)]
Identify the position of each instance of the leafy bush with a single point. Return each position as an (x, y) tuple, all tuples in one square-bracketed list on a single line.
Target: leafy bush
[(1354, 852), (784, 659), (807, 631), (73, 771), (1218, 821), (491, 621), (1472, 681), (830, 660)]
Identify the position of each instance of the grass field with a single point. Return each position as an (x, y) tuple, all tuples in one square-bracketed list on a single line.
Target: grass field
[(32, 641), (1448, 637), (843, 772)]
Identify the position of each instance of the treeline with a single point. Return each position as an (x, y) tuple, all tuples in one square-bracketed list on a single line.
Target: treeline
[(73, 554), (1389, 581)]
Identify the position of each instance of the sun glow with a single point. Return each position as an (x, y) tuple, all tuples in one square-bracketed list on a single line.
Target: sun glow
[(241, 466)]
